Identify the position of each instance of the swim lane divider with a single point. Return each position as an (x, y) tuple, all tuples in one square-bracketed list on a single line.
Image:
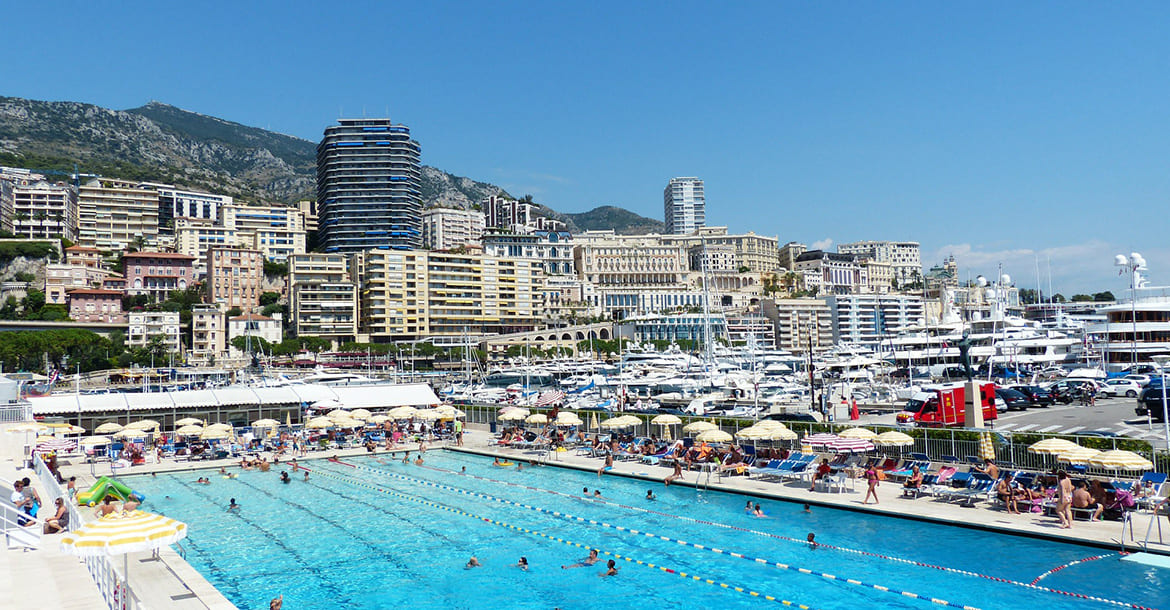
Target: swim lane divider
[(684, 575), (633, 532), (1032, 585)]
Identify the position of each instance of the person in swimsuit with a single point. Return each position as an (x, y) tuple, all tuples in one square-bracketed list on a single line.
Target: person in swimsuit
[(676, 475), (522, 564), (588, 561), (871, 478), (611, 568), (608, 464), (232, 504), (60, 520), (473, 562), (1007, 495), (1064, 497)]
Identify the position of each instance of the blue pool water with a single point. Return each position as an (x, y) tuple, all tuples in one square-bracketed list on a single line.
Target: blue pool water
[(386, 534)]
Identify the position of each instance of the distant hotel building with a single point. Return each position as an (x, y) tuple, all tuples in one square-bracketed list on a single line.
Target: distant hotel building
[(446, 228), (684, 205), (368, 187), (113, 214), (322, 296), (144, 325), (43, 211), (903, 256), (156, 274)]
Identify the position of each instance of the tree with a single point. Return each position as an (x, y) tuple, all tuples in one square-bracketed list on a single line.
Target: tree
[(1058, 298), (235, 311), (1081, 298), (1104, 296), (32, 303), (269, 298), (259, 344), (9, 310)]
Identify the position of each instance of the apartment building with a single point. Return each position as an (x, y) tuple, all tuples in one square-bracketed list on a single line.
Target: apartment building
[(757, 253), (832, 273), (904, 257), (801, 324), (235, 278), (631, 275), (684, 205), (322, 296), (96, 305), (447, 228), (175, 204), (40, 210), (114, 214), (144, 325), (276, 231), (868, 320), (554, 249), (208, 334), (156, 274), (255, 326)]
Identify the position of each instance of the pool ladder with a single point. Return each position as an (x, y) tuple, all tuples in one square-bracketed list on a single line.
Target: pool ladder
[(703, 484)]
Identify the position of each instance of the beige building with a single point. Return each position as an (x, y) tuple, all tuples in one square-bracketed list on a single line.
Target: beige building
[(235, 278), (446, 228), (800, 323), (414, 294), (41, 210), (308, 208), (143, 325), (757, 253), (904, 257), (208, 334), (278, 232), (113, 214), (322, 296)]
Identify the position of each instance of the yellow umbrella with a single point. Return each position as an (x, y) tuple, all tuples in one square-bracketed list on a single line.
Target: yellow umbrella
[(781, 434), (616, 423), (108, 428), (226, 427), (348, 423), (128, 433), (666, 419), (143, 424), (1081, 455), (319, 423), (753, 433), (121, 534), (593, 423), (378, 419), (1120, 460), (986, 446), (64, 428), (94, 441), (699, 426), (1052, 446), (402, 412), (770, 424), (339, 414), (536, 418), (265, 423), (190, 430), (362, 414), (428, 414), (666, 434), (713, 436), (893, 438), (514, 415), (189, 421), (567, 418), (210, 434), (861, 433)]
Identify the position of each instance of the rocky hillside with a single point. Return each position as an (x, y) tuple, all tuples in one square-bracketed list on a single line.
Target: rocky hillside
[(162, 143)]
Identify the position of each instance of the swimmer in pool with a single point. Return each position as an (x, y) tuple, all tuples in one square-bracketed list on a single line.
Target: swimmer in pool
[(610, 568), (749, 508), (807, 508), (473, 563), (232, 504), (758, 512), (419, 461), (596, 493), (650, 495), (284, 477), (522, 564), (306, 476), (497, 462), (463, 470), (406, 458), (812, 540), (588, 561)]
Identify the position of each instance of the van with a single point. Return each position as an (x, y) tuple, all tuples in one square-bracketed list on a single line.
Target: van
[(946, 406)]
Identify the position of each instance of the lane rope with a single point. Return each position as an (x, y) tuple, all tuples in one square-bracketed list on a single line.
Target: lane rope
[(634, 532), (1069, 565), (1032, 585), (626, 558)]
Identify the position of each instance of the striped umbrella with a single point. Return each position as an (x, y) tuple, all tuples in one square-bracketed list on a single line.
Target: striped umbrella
[(1120, 460), (121, 534), (819, 440), (986, 446), (850, 445), (1080, 455), (1052, 446), (861, 433), (550, 397), (893, 438), (55, 444)]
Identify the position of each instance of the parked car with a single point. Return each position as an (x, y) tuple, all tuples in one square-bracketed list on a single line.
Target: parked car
[(1151, 402), (1013, 400), (1122, 387), (1067, 390), (807, 417), (1039, 396), (1141, 380)]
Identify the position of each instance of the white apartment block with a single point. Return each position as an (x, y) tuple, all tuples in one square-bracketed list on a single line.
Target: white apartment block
[(175, 204), (276, 231), (904, 256), (554, 249), (447, 228), (255, 326), (684, 205), (869, 320), (506, 214), (831, 273), (751, 330), (113, 214), (41, 210), (322, 296), (208, 334), (800, 324), (143, 325), (196, 237)]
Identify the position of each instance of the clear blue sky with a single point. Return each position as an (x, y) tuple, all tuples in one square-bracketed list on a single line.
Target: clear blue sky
[(996, 132)]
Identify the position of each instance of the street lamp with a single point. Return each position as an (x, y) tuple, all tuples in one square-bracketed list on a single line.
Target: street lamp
[(1135, 264), (1161, 360)]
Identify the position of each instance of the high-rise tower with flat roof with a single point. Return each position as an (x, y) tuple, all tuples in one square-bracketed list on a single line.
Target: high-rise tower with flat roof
[(368, 187), (684, 205)]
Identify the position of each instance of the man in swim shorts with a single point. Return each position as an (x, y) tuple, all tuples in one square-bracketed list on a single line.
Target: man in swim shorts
[(588, 561)]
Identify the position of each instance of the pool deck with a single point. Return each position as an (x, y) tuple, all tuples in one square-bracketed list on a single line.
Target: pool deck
[(169, 582)]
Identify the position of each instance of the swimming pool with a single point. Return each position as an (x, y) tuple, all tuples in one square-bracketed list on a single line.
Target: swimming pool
[(374, 533)]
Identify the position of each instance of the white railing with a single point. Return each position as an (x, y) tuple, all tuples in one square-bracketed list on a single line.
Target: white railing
[(10, 518), (105, 571), (11, 413)]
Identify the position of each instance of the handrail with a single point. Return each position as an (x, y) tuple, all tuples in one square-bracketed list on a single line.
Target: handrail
[(10, 518)]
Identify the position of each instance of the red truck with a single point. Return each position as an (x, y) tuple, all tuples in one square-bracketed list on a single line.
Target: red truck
[(946, 406)]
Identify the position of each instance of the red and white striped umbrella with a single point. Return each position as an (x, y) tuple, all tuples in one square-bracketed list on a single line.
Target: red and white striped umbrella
[(820, 440), (57, 444), (550, 397), (850, 445)]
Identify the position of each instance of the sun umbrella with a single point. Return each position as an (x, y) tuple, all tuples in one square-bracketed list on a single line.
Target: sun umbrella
[(362, 414), (66, 429), (568, 418), (666, 419), (108, 428), (143, 424), (129, 433), (319, 423), (819, 440), (190, 430), (1080, 455), (211, 434), (339, 414), (220, 426), (121, 534), (95, 441), (770, 424), (514, 415), (536, 418), (699, 426), (428, 414), (448, 412), (713, 436), (893, 438), (986, 446), (189, 421), (1052, 446), (861, 433), (615, 423), (781, 434), (850, 445), (265, 423), (753, 433), (378, 419), (402, 412), (55, 444), (28, 426), (1120, 460)]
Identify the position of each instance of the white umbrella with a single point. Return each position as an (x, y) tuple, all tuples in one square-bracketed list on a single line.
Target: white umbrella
[(189, 421), (210, 434), (378, 419), (227, 427), (536, 418), (428, 415), (26, 427), (190, 430), (95, 441), (402, 412), (121, 534), (143, 424), (699, 426), (319, 423), (339, 414), (781, 434), (713, 436), (666, 419), (893, 438), (566, 418), (362, 414), (265, 423), (130, 433), (861, 433), (515, 415), (109, 428), (1119, 459)]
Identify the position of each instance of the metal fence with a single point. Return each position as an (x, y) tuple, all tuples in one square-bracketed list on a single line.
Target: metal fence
[(939, 444), (105, 572), (12, 413)]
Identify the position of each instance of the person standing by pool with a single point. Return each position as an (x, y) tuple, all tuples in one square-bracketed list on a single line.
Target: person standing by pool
[(458, 432), (1064, 498), (871, 478)]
